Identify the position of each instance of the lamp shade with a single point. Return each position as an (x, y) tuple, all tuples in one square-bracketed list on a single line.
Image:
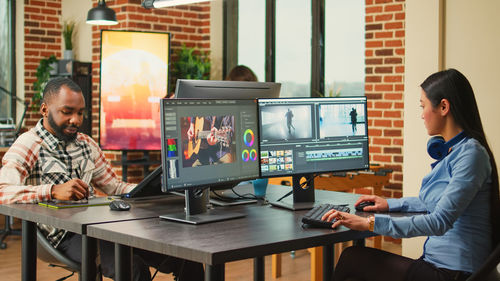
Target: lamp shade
[(148, 4), (101, 15)]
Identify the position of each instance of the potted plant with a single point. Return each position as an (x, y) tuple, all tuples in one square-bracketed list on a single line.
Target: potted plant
[(67, 32), (191, 64), (42, 77)]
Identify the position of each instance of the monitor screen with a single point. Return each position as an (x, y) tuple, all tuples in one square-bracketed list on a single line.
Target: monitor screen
[(312, 135), (226, 89), (208, 142), (134, 77)]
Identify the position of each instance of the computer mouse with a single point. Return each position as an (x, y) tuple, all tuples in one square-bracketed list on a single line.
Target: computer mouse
[(119, 205), (363, 204)]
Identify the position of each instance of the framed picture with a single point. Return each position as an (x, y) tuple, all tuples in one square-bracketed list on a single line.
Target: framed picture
[(134, 77)]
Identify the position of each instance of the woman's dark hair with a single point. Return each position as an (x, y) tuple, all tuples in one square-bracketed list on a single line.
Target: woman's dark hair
[(452, 85), (241, 73)]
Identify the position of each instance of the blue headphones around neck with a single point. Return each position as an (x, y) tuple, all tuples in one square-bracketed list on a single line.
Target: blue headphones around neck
[(438, 148)]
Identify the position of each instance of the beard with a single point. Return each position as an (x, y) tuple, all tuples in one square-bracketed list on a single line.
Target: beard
[(59, 130)]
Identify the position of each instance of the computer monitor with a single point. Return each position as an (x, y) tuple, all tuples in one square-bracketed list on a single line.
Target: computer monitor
[(213, 89), (226, 89), (207, 143), (301, 137)]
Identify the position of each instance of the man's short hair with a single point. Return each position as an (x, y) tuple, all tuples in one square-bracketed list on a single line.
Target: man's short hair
[(54, 86)]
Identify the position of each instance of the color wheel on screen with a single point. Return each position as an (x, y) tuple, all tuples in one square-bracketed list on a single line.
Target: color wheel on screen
[(248, 137), (245, 155)]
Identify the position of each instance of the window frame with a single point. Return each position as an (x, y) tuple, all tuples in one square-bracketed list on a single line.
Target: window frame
[(230, 34), (12, 25)]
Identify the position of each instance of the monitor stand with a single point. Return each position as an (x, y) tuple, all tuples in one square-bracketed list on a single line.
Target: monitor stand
[(303, 194), (196, 211)]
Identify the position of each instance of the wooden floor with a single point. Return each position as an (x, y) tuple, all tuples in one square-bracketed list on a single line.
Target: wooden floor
[(294, 267)]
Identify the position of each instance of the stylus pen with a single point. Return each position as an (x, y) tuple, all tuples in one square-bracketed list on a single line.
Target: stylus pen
[(91, 190)]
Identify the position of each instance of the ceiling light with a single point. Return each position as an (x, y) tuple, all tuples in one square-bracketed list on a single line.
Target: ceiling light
[(148, 4), (101, 15)]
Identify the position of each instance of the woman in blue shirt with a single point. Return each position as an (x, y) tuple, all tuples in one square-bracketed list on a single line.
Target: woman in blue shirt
[(459, 197)]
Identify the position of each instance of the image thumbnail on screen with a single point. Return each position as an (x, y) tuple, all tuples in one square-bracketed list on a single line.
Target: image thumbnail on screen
[(286, 122), (342, 120), (207, 140)]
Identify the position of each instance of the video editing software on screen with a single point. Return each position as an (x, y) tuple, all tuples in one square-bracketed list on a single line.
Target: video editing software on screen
[(209, 141), (301, 136)]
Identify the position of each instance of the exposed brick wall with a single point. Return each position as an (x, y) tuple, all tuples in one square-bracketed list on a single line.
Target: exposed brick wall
[(187, 24), (384, 86), (190, 24), (42, 38)]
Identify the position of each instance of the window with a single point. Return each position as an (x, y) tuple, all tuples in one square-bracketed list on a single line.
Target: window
[(282, 50), (251, 36), (344, 48), (293, 47), (6, 59)]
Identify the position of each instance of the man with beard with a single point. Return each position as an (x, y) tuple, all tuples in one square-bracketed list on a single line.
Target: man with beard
[(54, 161)]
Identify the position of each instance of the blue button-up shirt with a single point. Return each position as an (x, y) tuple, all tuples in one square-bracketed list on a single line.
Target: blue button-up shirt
[(455, 199)]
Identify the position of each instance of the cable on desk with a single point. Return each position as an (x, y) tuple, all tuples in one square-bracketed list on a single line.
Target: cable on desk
[(305, 183)]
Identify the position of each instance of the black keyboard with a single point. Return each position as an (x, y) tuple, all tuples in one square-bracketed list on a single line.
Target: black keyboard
[(313, 217)]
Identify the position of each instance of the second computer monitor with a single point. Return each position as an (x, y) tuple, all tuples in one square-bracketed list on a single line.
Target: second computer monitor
[(312, 135), (226, 89)]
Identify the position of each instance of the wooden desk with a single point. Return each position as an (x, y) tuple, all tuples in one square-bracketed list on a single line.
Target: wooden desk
[(263, 231), (77, 220)]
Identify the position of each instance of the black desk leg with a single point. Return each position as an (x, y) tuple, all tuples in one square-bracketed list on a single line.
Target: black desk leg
[(258, 269), (28, 258), (89, 256), (214, 272), (359, 242), (123, 262), (328, 262)]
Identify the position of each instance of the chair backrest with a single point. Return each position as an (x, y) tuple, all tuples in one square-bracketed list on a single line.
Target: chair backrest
[(51, 255), (488, 270)]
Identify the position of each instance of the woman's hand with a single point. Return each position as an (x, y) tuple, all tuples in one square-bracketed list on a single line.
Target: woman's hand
[(380, 203), (348, 220)]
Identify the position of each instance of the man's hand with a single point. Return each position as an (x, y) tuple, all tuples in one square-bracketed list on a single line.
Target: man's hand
[(74, 189), (190, 132), (211, 139)]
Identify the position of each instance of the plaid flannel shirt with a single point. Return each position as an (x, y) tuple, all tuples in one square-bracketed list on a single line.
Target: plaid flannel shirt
[(38, 160)]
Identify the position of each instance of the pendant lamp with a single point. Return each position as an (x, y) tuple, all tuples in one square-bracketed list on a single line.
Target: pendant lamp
[(101, 15)]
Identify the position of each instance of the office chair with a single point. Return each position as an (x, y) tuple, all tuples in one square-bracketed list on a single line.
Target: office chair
[(54, 257), (8, 231), (489, 269)]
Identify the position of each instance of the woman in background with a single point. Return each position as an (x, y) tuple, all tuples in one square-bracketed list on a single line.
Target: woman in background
[(241, 73), (459, 198)]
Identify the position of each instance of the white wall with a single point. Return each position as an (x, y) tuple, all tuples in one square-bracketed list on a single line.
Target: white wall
[(422, 58), (470, 44), (82, 39)]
